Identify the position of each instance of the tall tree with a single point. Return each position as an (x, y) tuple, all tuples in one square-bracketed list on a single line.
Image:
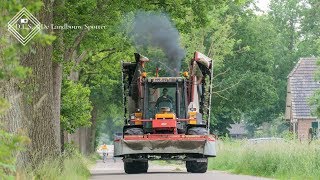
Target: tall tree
[(31, 100), (310, 28), (38, 96)]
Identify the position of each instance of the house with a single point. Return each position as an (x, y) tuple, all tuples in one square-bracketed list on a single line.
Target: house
[(238, 131), (301, 86)]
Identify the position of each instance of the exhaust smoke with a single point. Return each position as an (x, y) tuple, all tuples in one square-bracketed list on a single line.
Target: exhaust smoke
[(155, 30)]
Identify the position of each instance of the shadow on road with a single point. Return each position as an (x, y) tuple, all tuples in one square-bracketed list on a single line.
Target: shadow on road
[(123, 173)]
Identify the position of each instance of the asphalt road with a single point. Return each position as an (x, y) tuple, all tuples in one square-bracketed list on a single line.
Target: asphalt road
[(114, 171)]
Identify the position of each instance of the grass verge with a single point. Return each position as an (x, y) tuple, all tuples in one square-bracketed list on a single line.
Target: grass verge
[(68, 166), (281, 160)]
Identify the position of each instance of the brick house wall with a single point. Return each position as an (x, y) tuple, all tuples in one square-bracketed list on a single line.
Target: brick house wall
[(301, 86), (303, 128)]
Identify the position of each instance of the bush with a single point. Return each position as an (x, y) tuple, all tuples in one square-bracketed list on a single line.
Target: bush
[(10, 144), (75, 106), (290, 159)]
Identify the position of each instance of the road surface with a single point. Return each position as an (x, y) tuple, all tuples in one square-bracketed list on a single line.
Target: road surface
[(114, 171)]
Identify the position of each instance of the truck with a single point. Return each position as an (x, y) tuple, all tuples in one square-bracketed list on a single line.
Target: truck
[(166, 118)]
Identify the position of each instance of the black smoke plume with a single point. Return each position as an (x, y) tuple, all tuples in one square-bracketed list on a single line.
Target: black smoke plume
[(155, 30)]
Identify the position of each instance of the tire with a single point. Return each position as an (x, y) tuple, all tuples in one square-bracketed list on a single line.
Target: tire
[(136, 167), (196, 167), (197, 131), (104, 158), (133, 131), (145, 167), (188, 167)]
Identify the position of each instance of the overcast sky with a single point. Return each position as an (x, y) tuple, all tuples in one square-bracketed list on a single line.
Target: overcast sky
[(263, 4)]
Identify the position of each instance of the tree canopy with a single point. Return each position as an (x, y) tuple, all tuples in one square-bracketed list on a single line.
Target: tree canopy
[(70, 79)]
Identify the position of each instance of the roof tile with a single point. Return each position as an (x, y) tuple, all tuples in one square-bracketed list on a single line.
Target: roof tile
[(303, 85)]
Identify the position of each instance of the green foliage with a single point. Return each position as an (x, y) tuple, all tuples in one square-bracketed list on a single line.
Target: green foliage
[(100, 69), (4, 105), (10, 144), (70, 149), (11, 49), (275, 128), (75, 106), (71, 165), (244, 86), (314, 101), (280, 160), (251, 83)]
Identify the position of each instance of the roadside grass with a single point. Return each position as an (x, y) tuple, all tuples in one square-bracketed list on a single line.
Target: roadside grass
[(281, 160), (71, 166)]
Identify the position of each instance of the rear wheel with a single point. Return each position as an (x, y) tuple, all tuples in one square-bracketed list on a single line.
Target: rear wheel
[(136, 167), (196, 167)]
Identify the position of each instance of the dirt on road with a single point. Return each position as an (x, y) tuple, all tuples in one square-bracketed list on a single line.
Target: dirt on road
[(113, 170)]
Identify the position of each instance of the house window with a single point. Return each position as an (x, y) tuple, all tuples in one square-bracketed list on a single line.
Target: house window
[(314, 125), (315, 129)]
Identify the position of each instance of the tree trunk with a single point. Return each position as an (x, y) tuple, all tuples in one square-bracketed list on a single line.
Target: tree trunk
[(32, 109), (38, 97), (94, 115), (57, 82), (83, 139), (13, 117), (59, 48), (75, 138)]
